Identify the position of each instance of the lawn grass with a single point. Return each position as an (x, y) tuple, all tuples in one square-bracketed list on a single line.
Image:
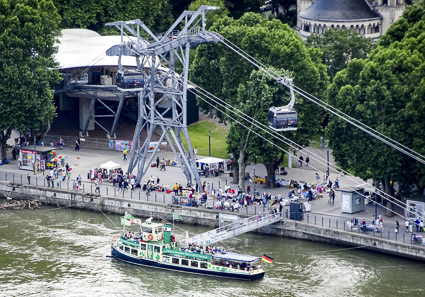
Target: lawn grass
[(198, 134), (315, 141)]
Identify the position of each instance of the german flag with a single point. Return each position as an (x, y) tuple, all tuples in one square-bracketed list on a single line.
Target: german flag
[(267, 259)]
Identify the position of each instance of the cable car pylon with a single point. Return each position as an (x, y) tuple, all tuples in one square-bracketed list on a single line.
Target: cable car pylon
[(162, 93)]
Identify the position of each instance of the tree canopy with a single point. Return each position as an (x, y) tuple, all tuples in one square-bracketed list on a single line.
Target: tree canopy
[(385, 91), (339, 47), (94, 14), (230, 77), (27, 44)]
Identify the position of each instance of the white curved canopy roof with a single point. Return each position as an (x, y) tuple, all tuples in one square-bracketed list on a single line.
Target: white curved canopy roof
[(83, 48)]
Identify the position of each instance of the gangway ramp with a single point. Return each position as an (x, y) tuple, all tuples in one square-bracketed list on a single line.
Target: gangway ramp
[(234, 229)]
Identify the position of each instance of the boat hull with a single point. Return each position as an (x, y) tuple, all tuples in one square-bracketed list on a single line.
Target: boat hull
[(143, 262)]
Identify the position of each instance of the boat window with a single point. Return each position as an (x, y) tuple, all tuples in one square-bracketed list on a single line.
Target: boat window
[(127, 249), (147, 230), (134, 252), (185, 262), (157, 249), (143, 247), (204, 265), (121, 248), (166, 259), (194, 264), (175, 260)]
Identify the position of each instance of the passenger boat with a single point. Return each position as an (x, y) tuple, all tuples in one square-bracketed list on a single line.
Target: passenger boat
[(154, 246)]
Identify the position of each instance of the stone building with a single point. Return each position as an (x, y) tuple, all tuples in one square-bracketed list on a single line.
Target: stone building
[(370, 18)]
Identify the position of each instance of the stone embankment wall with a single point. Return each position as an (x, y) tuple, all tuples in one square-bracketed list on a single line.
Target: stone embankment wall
[(205, 217)]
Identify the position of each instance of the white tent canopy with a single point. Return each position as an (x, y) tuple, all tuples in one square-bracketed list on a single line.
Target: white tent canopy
[(110, 165), (210, 160)]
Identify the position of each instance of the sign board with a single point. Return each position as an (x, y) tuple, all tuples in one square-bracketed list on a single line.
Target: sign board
[(186, 254)]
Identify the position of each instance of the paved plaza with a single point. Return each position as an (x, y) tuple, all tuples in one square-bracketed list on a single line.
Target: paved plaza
[(90, 159)]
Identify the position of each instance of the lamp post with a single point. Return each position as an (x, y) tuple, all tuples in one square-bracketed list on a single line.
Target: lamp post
[(209, 143), (35, 155), (327, 158), (255, 162)]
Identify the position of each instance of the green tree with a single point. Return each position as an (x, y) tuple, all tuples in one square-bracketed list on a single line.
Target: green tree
[(339, 47), (27, 44), (94, 14), (225, 74), (385, 91)]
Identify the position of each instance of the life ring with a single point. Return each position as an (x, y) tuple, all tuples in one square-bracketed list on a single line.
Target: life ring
[(150, 237)]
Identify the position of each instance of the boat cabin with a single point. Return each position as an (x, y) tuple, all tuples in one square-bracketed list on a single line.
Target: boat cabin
[(152, 231)]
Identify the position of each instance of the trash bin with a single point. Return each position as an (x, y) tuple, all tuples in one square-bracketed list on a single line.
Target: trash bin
[(296, 211)]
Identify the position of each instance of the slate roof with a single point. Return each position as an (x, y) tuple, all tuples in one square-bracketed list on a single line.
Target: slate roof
[(339, 10)]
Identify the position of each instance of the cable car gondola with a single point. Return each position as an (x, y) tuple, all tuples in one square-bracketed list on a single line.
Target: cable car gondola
[(130, 80), (284, 118)]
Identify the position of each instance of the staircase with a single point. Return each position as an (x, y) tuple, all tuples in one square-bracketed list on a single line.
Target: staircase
[(234, 229)]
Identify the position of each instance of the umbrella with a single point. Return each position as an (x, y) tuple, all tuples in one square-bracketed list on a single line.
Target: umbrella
[(62, 156)]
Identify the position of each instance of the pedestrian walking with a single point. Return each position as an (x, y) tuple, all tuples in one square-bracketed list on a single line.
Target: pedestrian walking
[(29, 178), (333, 197), (336, 184), (79, 180), (300, 160), (124, 154), (317, 178), (61, 143), (397, 226), (97, 187), (77, 146), (157, 162), (307, 160), (406, 224)]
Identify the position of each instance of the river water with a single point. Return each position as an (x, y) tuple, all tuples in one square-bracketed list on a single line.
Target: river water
[(63, 252)]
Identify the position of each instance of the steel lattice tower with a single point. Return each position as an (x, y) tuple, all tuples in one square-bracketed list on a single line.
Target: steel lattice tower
[(162, 98)]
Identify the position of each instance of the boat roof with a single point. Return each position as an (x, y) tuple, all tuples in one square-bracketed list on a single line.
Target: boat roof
[(236, 257)]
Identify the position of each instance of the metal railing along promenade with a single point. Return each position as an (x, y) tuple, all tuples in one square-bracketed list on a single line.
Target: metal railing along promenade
[(108, 190), (344, 224)]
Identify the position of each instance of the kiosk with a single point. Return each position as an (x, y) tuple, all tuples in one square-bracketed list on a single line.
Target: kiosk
[(352, 200), (40, 156)]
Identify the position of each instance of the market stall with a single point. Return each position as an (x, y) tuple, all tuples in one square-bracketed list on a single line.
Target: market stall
[(39, 156), (110, 166), (210, 166)]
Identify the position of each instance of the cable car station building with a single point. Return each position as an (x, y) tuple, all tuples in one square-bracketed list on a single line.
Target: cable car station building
[(89, 65)]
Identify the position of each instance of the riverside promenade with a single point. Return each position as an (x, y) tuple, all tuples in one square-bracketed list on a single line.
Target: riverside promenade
[(325, 222)]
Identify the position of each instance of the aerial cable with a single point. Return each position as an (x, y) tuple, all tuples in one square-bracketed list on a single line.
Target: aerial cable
[(389, 141), (350, 120), (284, 139), (280, 148), (249, 58), (296, 146), (293, 144)]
